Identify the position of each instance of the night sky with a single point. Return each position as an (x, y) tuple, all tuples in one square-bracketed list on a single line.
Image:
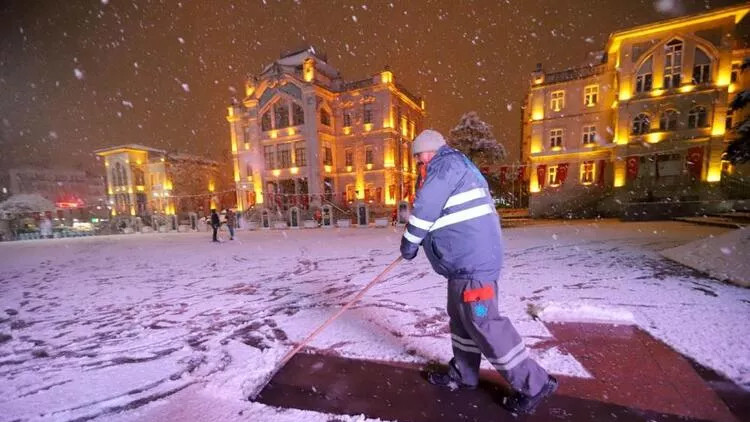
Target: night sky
[(80, 75)]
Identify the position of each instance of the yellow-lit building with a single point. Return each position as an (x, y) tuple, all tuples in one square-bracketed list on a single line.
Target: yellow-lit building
[(143, 181), (644, 122), (302, 135)]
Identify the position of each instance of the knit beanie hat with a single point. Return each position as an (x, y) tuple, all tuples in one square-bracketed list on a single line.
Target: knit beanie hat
[(428, 140)]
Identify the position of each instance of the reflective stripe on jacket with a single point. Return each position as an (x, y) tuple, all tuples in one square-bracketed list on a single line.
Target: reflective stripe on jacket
[(455, 220)]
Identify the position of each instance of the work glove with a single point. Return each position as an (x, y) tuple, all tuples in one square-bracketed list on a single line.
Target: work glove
[(408, 249)]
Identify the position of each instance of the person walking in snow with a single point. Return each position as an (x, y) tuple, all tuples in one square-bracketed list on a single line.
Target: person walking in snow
[(215, 223), (231, 221), (456, 223)]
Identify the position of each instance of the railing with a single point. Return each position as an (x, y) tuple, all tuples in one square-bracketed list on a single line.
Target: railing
[(572, 74)]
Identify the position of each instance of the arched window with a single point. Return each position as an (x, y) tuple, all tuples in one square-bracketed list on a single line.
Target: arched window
[(641, 124), (698, 117), (139, 177), (701, 67), (644, 77), (672, 64), (668, 120), (265, 121), (298, 115), (281, 114), (116, 174), (325, 117)]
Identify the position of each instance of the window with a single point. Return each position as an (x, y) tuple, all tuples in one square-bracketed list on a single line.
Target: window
[(281, 114), (327, 156), (589, 135), (325, 117), (668, 120), (641, 124), (268, 153), (587, 172), (300, 154), (298, 115), (265, 121), (367, 113), (348, 158), (591, 95), (368, 156), (701, 67), (643, 79), (248, 171), (284, 156), (735, 72), (140, 178), (672, 64), (728, 121), (350, 193), (347, 119), (555, 138), (557, 100), (552, 175), (697, 117)]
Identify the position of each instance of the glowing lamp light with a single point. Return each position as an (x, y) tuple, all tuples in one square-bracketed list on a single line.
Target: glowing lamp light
[(725, 77), (347, 130), (536, 149), (327, 168), (230, 111), (714, 174), (140, 188), (657, 92), (130, 190), (386, 77), (294, 170), (211, 186), (348, 168), (276, 172), (718, 129), (422, 104), (368, 127), (109, 191), (624, 95), (132, 210), (537, 115), (162, 159), (106, 164), (654, 137), (369, 166), (274, 134), (732, 88), (687, 88), (614, 104), (247, 145), (291, 131)]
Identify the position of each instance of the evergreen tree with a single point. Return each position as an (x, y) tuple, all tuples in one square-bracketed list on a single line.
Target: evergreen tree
[(738, 151), (474, 138)]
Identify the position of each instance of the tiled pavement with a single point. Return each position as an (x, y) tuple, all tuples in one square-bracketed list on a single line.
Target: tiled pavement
[(636, 378)]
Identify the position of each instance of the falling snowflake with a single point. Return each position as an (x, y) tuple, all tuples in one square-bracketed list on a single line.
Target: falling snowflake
[(509, 106), (354, 18), (53, 134), (186, 87), (181, 40), (127, 103), (78, 73), (589, 40), (554, 236), (726, 251), (105, 1)]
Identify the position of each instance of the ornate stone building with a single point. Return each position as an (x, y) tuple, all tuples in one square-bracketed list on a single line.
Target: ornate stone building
[(302, 135), (645, 122), (144, 181)]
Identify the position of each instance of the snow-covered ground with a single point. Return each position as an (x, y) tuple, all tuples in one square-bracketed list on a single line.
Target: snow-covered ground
[(170, 326)]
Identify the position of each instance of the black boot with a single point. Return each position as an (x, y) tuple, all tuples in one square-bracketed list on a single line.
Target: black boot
[(524, 404), (450, 379)]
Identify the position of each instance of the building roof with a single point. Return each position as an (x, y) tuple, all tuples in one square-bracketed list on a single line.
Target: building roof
[(294, 60), (738, 12), (121, 148)]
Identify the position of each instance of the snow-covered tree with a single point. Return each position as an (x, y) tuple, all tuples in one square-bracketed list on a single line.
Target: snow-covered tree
[(738, 151), (474, 137)]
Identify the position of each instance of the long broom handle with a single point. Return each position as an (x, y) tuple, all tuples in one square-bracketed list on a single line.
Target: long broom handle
[(290, 354)]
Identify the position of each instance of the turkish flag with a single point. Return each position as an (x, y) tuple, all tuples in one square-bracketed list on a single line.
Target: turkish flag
[(695, 161), (631, 164), (541, 173), (562, 173)]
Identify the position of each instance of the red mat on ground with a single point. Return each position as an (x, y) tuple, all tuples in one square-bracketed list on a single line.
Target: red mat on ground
[(636, 378)]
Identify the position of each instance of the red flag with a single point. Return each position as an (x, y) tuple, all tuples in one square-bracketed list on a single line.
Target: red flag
[(695, 161), (600, 175), (631, 164), (561, 174), (541, 172)]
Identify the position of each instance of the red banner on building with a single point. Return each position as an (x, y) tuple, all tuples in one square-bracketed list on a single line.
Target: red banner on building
[(561, 174), (541, 174), (695, 161), (631, 165)]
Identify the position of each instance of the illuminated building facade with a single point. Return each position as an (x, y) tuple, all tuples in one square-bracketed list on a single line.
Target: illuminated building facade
[(644, 122), (302, 136), (144, 181), (69, 189)]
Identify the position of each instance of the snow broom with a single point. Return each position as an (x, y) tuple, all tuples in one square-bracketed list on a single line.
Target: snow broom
[(290, 354)]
